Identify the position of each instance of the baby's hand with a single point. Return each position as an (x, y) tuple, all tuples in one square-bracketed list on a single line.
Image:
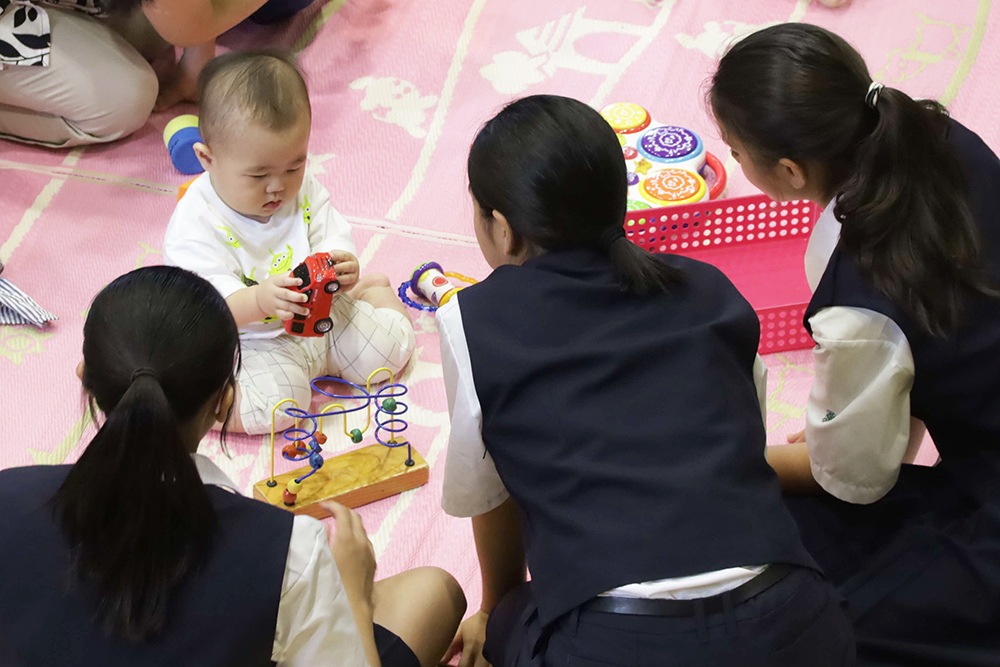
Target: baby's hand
[(346, 266), (275, 299)]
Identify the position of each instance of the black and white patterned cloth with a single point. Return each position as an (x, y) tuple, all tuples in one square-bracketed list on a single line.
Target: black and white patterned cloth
[(16, 307), (25, 35)]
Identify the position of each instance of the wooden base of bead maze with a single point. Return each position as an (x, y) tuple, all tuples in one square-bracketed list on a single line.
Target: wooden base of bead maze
[(353, 479)]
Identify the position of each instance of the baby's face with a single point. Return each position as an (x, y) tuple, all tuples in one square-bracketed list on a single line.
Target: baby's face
[(254, 169)]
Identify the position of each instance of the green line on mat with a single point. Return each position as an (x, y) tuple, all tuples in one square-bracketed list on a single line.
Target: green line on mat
[(66, 446), (971, 53), (309, 35)]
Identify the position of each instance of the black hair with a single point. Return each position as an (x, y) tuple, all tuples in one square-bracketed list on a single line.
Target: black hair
[(798, 91), (158, 344), (264, 86), (554, 168)]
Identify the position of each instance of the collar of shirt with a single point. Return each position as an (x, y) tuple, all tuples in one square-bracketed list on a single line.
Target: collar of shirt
[(212, 474), (822, 243)]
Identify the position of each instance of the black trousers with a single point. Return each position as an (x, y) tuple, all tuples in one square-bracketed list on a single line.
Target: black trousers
[(920, 570), (797, 622)]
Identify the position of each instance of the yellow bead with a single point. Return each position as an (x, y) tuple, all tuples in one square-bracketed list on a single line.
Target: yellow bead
[(294, 487)]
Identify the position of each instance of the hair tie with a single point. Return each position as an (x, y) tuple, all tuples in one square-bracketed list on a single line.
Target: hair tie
[(609, 236), (139, 372), (871, 98)]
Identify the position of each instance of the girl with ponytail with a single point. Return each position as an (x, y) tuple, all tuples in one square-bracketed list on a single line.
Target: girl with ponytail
[(144, 553), (904, 263), (606, 430)]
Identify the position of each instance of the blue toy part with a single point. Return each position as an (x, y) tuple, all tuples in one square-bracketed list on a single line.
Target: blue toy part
[(303, 445), (180, 136)]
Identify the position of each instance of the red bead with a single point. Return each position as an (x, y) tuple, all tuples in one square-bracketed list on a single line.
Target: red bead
[(292, 451), (288, 497), (321, 438)]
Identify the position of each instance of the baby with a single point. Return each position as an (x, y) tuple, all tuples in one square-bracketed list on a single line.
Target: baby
[(252, 217)]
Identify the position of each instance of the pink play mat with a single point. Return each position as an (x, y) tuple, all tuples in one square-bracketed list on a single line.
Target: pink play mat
[(399, 88)]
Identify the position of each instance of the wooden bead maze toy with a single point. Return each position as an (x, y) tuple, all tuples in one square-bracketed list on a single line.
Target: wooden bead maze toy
[(354, 478)]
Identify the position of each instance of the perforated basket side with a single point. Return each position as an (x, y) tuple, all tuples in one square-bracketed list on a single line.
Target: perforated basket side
[(754, 221), (740, 221)]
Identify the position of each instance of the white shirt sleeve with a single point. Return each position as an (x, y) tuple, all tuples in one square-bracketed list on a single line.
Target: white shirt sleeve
[(760, 381), (328, 229), (315, 623), (191, 243), (471, 483), (858, 423)]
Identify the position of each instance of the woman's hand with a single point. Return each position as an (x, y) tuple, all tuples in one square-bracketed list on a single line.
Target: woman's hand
[(354, 554), (469, 642), (182, 85), (275, 299), (797, 437)]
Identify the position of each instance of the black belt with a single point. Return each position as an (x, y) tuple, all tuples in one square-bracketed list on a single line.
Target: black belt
[(712, 605)]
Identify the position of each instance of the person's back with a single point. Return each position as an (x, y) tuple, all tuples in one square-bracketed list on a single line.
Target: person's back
[(955, 388), (599, 403), (607, 403), (904, 262), (145, 553), (47, 618)]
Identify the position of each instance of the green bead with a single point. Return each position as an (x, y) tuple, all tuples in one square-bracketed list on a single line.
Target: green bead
[(389, 405), (357, 436)]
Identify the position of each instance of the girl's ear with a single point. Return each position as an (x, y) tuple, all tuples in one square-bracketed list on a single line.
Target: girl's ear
[(793, 175), (79, 370), (226, 398), (503, 234)]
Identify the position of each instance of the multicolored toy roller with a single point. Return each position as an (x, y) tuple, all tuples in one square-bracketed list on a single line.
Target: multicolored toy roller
[(430, 282), (180, 135), (650, 148)]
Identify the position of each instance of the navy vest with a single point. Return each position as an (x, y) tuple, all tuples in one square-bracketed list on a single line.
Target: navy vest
[(626, 428), (223, 615), (956, 388)]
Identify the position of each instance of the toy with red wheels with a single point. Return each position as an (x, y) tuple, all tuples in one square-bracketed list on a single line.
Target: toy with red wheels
[(319, 284)]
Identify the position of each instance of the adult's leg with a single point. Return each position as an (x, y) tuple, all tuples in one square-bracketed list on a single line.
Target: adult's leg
[(920, 570), (97, 87), (422, 607)]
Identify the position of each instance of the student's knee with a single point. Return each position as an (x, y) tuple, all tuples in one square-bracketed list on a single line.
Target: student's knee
[(445, 589)]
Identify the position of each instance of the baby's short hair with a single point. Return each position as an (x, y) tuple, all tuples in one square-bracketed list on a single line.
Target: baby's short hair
[(264, 87)]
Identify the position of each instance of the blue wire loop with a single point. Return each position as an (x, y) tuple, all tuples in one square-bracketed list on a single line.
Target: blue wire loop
[(303, 436), (404, 296)]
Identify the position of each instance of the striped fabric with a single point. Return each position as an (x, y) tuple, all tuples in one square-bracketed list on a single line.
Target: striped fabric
[(16, 307)]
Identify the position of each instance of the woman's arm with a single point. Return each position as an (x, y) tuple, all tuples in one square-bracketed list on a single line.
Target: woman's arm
[(190, 23), (791, 463), (501, 552), (502, 567), (183, 85)]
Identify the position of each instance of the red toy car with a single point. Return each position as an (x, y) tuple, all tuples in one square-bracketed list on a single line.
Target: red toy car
[(319, 283)]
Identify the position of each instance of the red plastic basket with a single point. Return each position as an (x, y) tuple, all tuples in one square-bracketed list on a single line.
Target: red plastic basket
[(757, 242)]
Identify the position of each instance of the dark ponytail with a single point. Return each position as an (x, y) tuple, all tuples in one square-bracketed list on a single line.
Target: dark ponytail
[(798, 91), (554, 168), (159, 343)]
